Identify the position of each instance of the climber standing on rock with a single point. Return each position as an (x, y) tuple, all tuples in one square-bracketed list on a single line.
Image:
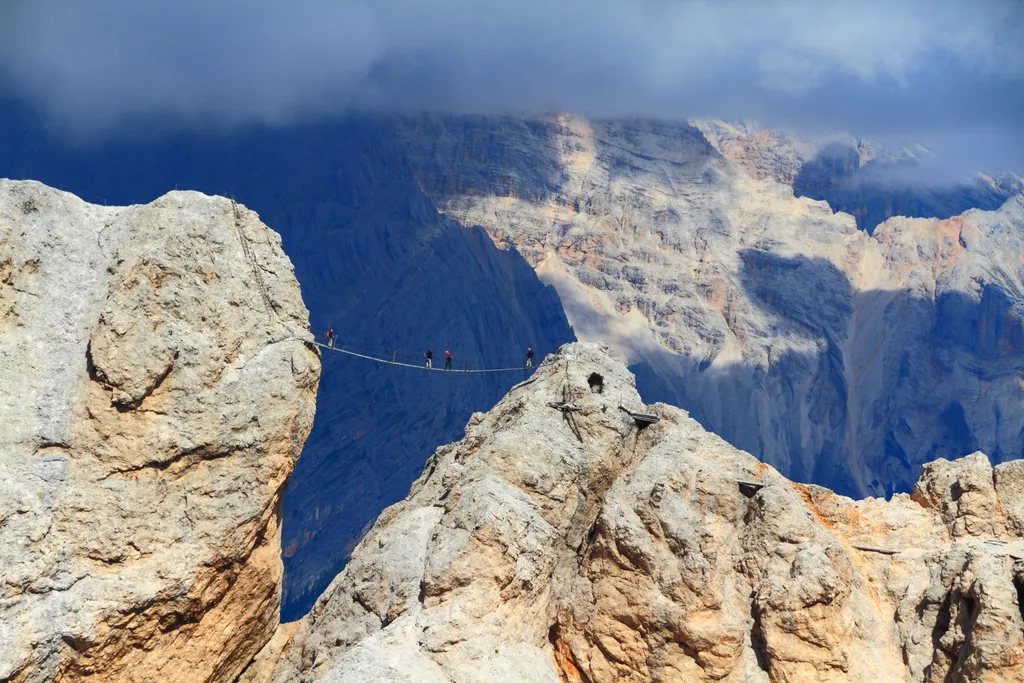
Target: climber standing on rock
[(529, 357), (330, 338), (429, 355), (448, 358)]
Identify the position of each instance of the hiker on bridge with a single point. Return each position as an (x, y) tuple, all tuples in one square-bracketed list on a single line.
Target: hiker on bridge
[(529, 357), (429, 355), (448, 358), (330, 338)]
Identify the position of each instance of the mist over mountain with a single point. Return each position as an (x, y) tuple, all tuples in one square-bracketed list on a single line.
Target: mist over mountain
[(875, 189)]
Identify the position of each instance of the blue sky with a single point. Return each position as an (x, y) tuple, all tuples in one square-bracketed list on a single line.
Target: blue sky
[(938, 72)]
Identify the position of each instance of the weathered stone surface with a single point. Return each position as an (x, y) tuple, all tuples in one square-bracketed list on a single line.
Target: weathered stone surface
[(156, 393), (963, 493), (1009, 484), (842, 358), (555, 545)]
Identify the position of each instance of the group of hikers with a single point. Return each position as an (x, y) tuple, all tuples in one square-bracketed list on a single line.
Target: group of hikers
[(448, 358), (429, 355)]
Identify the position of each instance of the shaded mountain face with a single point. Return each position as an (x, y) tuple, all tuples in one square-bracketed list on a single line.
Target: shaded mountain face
[(840, 357), (378, 264)]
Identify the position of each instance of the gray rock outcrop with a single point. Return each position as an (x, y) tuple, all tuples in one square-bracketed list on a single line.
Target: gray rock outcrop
[(156, 392), (561, 542)]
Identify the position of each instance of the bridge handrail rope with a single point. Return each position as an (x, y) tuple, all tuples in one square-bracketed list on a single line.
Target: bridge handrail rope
[(414, 358), (386, 361)]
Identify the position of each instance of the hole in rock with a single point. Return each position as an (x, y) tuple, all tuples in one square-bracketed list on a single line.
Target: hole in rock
[(596, 383), (956, 491), (970, 608)]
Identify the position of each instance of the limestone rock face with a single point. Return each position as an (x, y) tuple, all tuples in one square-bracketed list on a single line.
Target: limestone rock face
[(156, 392), (842, 358), (559, 542)]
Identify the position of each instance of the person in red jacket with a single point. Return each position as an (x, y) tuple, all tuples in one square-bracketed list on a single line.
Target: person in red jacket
[(330, 338)]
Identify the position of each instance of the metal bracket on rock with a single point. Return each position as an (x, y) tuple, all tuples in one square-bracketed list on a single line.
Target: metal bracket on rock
[(749, 488), (873, 549), (642, 420), (567, 412)]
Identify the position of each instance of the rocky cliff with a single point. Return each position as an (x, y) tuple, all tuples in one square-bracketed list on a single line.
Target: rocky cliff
[(377, 263), (561, 542), (156, 393), (842, 358)]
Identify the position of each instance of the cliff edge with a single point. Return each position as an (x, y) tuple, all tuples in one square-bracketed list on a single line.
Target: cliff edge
[(156, 392), (563, 542)]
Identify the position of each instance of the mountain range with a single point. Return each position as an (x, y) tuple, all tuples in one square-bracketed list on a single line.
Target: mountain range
[(844, 349), (842, 352)]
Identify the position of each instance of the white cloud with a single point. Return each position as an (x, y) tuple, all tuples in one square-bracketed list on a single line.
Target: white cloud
[(833, 64)]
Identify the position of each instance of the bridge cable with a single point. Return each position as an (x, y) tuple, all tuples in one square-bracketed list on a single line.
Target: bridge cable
[(385, 361)]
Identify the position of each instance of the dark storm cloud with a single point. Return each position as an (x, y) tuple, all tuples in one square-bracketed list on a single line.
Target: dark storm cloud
[(915, 68)]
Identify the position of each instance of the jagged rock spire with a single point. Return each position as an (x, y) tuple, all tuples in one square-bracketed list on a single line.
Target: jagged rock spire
[(538, 550)]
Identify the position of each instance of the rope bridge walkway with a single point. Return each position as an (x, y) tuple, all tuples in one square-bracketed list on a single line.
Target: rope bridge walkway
[(272, 312), (392, 361)]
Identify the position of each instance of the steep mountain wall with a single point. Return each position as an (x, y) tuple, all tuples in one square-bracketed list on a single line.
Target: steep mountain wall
[(841, 358), (559, 542), (156, 393), (378, 264)]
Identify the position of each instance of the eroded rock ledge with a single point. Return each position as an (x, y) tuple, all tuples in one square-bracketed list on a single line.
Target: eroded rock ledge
[(571, 546), (155, 393)]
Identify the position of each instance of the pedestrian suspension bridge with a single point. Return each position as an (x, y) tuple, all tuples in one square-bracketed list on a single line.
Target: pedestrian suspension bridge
[(393, 361), (272, 314)]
